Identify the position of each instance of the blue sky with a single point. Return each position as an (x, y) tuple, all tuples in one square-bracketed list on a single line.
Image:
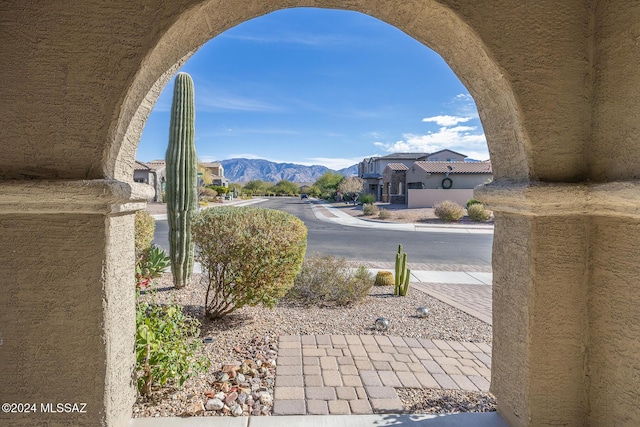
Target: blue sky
[(324, 87)]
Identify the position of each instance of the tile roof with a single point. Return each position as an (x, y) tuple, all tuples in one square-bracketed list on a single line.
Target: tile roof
[(456, 167), (153, 165), (140, 166), (397, 166)]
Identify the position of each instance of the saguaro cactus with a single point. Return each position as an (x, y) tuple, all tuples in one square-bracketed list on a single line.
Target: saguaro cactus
[(182, 179), (402, 273)]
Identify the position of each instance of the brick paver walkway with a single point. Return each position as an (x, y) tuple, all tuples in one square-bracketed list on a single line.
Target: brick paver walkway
[(358, 374), (472, 299)]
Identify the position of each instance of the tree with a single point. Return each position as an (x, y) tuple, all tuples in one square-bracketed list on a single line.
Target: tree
[(256, 187), (205, 177), (285, 187), (351, 188), (328, 184)]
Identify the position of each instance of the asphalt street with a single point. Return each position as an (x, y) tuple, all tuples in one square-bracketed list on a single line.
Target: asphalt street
[(371, 244)]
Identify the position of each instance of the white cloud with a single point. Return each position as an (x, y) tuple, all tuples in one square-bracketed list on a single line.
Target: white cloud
[(467, 139), (463, 139), (447, 120)]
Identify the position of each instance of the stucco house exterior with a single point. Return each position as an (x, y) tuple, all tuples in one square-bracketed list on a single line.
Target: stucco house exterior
[(371, 169), (429, 183), (217, 172), (394, 187), (152, 173)]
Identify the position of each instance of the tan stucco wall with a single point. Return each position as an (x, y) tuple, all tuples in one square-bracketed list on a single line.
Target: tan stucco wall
[(556, 86), (427, 198)]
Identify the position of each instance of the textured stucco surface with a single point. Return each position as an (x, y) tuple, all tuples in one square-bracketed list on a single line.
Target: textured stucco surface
[(614, 152), (614, 322), (51, 314), (556, 84)]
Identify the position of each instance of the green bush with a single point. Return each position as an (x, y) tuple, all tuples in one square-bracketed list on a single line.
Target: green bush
[(477, 212), (329, 281), (369, 209), (166, 346), (473, 202), (384, 214), (367, 198), (448, 211), (249, 256), (144, 227)]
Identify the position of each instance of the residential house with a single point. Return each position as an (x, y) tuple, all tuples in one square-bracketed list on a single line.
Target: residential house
[(429, 183), (152, 173), (394, 178), (371, 168), (217, 172)]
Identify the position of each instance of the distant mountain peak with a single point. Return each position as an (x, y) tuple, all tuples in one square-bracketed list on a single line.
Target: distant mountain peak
[(245, 170)]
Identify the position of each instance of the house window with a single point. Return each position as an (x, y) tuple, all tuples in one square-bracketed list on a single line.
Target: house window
[(415, 186), (140, 180)]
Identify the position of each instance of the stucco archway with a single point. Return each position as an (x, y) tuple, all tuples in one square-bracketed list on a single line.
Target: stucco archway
[(431, 23), (556, 85)]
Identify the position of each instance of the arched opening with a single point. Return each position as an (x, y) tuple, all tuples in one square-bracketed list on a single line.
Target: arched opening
[(434, 25), (400, 190)]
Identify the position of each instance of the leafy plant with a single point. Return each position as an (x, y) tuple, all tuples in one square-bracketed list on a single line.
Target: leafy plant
[(249, 255), (472, 202), (166, 346), (448, 211), (477, 212), (403, 274), (367, 198), (384, 278), (327, 281), (370, 209), (151, 265)]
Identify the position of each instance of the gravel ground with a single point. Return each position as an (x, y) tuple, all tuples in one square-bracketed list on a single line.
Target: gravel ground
[(253, 331), (435, 401)]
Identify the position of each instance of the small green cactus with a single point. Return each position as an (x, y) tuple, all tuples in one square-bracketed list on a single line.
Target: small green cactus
[(402, 274), (384, 278)]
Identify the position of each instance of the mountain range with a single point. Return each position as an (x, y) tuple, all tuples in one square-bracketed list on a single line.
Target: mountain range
[(245, 170)]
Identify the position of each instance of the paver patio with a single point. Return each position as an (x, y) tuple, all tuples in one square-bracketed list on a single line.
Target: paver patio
[(358, 374)]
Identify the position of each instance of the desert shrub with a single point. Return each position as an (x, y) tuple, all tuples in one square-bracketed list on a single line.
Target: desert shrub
[(144, 227), (329, 281), (473, 202), (249, 255), (367, 198), (208, 193), (384, 214), (166, 346), (369, 209), (477, 212), (384, 278), (448, 211)]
